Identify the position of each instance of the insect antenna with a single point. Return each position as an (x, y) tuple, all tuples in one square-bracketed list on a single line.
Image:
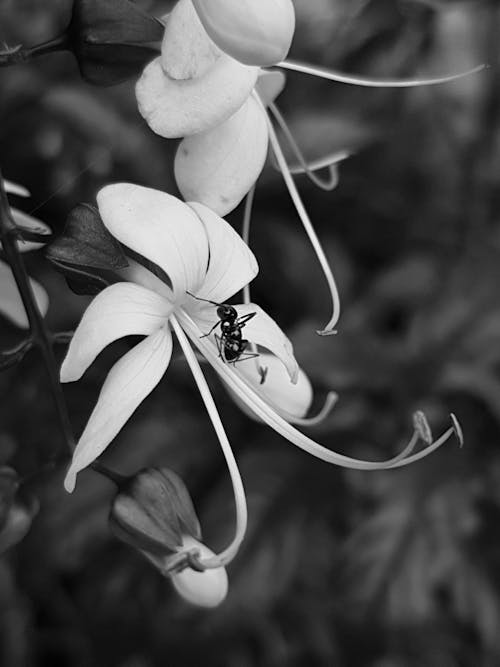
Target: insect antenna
[(198, 298)]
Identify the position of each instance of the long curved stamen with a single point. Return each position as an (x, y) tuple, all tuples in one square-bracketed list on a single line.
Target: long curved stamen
[(270, 417), (326, 184), (245, 235), (230, 552), (333, 75), (330, 402), (306, 222), (245, 232)]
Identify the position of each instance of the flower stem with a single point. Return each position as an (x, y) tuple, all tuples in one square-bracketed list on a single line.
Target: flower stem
[(19, 55), (41, 337), (230, 552)]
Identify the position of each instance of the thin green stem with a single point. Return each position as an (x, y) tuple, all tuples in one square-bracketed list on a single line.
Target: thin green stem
[(41, 336), (20, 55)]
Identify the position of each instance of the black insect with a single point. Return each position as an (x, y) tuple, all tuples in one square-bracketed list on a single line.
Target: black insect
[(231, 345)]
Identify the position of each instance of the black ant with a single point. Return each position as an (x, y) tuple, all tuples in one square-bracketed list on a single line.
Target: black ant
[(231, 345)]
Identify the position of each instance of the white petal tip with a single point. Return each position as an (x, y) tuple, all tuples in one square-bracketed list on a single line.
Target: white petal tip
[(65, 375), (457, 429), (70, 481)]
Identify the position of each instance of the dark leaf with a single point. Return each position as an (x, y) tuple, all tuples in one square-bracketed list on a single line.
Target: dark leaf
[(112, 40), (110, 64), (86, 243), (113, 22)]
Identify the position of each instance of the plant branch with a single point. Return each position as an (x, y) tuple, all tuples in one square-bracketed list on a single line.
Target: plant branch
[(9, 235), (19, 54)]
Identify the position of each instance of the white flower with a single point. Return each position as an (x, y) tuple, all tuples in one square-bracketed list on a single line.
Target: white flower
[(11, 305), (199, 254)]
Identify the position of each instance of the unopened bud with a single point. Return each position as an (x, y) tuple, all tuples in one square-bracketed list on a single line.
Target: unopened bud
[(255, 32), (152, 511)]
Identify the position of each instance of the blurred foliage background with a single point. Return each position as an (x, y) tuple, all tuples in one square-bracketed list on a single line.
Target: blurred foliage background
[(340, 568)]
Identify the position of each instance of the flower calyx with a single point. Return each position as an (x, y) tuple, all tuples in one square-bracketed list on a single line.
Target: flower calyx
[(152, 511), (86, 253), (112, 41)]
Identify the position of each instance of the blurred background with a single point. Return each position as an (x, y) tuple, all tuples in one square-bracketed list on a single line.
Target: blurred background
[(339, 568)]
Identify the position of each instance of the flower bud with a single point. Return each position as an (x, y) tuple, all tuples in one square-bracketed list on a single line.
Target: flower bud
[(17, 510), (204, 589), (112, 39), (255, 32), (219, 166), (152, 511), (291, 401)]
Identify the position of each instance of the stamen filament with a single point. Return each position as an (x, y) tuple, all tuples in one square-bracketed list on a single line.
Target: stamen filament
[(309, 229), (326, 184), (276, 422), (330, 402), (230, 552), (334, 75), (245, 235)]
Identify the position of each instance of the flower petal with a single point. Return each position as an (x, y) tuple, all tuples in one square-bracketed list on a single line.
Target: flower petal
[(203, 589), (270, 85), (31, 224), (11, 305), (258, 32), (219, 166), (260, 329), (123, 309), (232, 264), (161, 228), (290, 400), (187, 51), (131, 379), (15, 189), (177, 108)]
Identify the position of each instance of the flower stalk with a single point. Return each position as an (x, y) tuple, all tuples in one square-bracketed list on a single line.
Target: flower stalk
[(19, 54), (9, 234)]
